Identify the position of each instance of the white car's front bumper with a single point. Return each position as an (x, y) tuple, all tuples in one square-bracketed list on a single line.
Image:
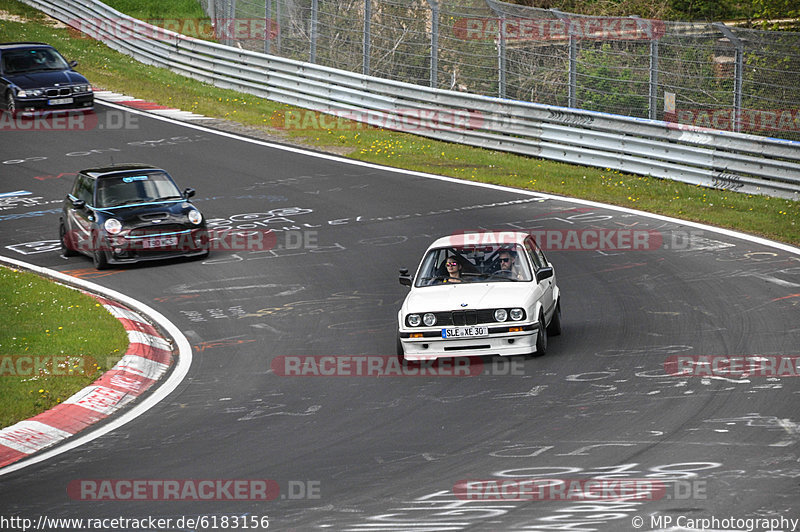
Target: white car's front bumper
[(503, 344)]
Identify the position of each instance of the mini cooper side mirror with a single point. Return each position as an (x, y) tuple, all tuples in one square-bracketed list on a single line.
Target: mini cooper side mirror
[(544, 273), (78, 203), (405, 279), (188, 193)]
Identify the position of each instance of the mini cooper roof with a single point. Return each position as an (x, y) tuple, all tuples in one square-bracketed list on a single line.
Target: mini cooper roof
[(116, 169), (480, 238)]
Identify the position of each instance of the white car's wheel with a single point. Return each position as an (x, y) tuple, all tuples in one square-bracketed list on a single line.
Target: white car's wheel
[(541, 338), (401, 356), (554, 329)]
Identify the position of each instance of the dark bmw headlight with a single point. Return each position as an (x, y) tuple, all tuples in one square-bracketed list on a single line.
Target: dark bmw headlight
[(195, 217), (414, 320), (112, 226), (76, 89), (517, 314), (429, 319), (500, 314), (30, 93)]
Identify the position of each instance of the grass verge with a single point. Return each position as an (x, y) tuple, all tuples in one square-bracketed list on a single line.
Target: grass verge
[(53, 342), (760, 215)]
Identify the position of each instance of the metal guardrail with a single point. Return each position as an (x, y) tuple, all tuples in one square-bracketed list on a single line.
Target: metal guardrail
[(711, 158)]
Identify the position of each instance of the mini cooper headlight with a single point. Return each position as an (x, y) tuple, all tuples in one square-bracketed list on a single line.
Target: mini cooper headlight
[(195, 217), (500, 314), (414, 320), (429, 319), (112, 226), (516, 314)]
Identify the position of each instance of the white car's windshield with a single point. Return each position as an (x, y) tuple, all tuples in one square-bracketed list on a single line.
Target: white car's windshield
[(472, 264), (127, 190)]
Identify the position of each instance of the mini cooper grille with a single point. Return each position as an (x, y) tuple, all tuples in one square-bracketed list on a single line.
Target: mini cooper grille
[(153, 216), (155, 230), (63, 91)]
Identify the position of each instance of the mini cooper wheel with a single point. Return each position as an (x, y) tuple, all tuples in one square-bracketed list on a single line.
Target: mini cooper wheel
[(66, 250), (99, 257), (541, 338)]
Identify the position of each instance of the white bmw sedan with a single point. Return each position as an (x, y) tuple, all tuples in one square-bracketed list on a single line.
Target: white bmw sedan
[(487, 293)]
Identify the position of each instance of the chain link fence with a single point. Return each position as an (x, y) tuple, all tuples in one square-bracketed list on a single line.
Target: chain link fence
[(703, 74)]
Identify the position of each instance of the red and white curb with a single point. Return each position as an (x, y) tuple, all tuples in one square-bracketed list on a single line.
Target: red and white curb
[(149, 357), (143, 105)]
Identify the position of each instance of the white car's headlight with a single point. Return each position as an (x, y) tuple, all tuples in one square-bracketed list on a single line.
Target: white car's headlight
[(429, 319), (500, 314), (517, 314), (195, 217), (112, 226), (414, 320)]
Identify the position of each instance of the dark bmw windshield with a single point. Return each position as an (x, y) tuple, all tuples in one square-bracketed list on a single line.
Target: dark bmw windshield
[(32, 60), (132, 189)]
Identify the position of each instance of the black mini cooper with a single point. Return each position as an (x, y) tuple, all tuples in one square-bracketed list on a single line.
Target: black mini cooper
[(35, 78), (130, 212)]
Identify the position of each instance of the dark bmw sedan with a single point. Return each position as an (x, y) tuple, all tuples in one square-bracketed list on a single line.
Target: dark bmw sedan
[(35, 78), (130, 212)]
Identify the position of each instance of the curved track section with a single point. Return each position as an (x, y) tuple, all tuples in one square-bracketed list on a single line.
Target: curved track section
[(367, 453)]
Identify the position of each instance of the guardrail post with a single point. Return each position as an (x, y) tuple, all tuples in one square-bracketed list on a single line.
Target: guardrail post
[(501, 57), (367, 28), (652, 107), (230, 24), (268, 24), (434, 43), (737, 73), (278, 21), (312, 54), (573, 60)]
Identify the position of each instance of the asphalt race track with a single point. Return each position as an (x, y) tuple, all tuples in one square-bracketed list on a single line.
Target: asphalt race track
[(379, 454)]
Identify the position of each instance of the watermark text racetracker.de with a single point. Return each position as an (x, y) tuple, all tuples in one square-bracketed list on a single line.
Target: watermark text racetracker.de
[(558, 29), (143, 489), (579, 489), (47, 366), (126, 29), (223, 239), (590, 239), (390, 366), (110, 119), (732, 366)]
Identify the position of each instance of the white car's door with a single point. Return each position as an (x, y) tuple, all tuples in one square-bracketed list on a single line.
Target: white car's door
[(546, 286)]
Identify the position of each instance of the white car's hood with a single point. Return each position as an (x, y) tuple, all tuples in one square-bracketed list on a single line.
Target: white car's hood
[(475, 295)]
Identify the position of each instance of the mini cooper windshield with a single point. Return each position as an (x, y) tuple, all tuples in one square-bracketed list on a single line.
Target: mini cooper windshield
[(131, 189), (474, 264)]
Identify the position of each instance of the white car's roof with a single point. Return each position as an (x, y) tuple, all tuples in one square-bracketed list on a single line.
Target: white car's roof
[(480, 238)]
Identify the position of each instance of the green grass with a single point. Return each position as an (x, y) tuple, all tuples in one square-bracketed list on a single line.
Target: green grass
[(760, 215), (54, 341)]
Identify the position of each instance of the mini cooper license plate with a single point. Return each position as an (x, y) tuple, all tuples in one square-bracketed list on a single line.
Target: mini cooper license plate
[(465, 332), (160, 242), (59, 101)]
